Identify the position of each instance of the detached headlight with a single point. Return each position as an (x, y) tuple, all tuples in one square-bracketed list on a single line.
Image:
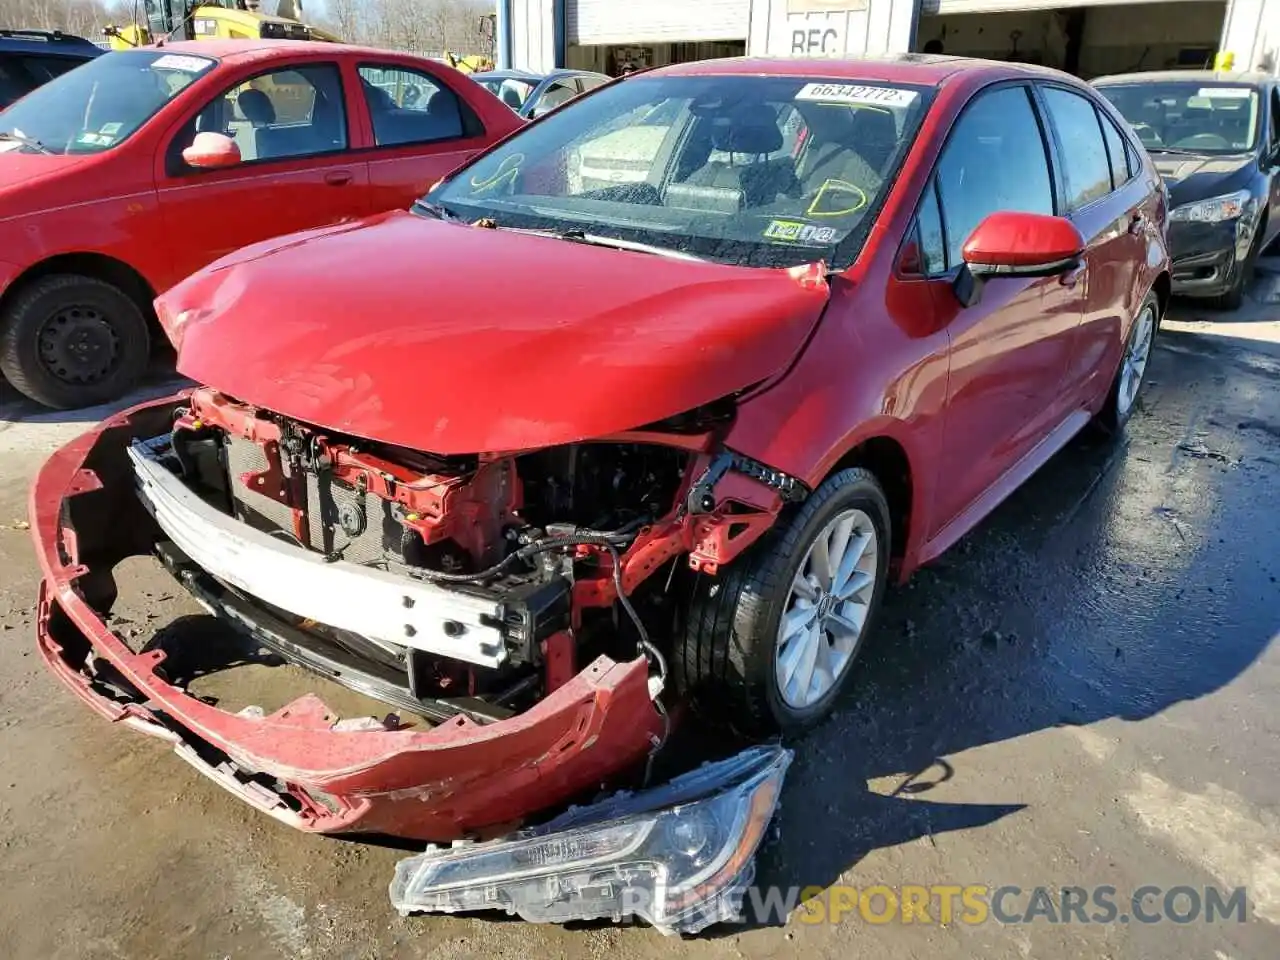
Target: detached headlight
[(678, 856), (1214, 210)]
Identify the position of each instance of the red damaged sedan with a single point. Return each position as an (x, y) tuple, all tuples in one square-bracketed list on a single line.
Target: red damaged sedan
[(550, 453)]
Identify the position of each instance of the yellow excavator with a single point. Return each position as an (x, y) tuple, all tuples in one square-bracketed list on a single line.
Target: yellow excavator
[(215, 20), (476, 63)]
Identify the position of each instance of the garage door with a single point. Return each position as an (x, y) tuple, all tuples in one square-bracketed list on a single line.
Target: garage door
[(656, 21)]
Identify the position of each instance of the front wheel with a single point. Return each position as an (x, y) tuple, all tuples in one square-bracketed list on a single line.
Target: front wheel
[(772, 642), (69, 341)]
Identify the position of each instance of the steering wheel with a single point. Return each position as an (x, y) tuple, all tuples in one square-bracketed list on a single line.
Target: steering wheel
[(1204, 141), (1147, 134)]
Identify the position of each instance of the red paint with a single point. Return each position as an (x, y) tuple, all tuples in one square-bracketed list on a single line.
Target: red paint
[(1023, 240), (434, 783), (124, 204), (567, 341), (455, 339)]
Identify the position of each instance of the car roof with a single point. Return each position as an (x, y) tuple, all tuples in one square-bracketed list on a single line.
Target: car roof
[(1186, 76), (925, 69), (47, 41), (240, 51), (532, 77)]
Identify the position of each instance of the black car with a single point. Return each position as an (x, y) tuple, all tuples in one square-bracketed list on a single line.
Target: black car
[(533, 94), (29, 58), (1215, 138)]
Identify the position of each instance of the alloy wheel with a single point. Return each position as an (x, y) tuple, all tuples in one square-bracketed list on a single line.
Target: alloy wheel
[(826, 609)]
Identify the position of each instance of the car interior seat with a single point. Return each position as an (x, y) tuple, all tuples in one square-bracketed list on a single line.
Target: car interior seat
[(839, 149), (511, 97), (738, 171), (323, 134), (257, 108)]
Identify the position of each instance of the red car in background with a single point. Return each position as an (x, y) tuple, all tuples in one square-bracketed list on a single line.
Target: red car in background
[(536, 460), (125, 175)]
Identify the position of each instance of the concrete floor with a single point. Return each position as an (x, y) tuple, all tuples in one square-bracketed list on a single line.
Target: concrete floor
[(1083, 692)]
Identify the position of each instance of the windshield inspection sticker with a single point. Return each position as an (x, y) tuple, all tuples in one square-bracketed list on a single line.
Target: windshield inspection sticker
[(795, 232), (857, 93), (1224, 93), (175, 61)]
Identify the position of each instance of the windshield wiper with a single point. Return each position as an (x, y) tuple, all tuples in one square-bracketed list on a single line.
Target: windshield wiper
[(26, 141), (434, 210), (575, 235), (1175, 151)]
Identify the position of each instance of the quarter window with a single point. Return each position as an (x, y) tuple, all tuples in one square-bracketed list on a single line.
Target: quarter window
[(1084, 153), (1120, 173), (933, 243), (409, 107), (994, 160)]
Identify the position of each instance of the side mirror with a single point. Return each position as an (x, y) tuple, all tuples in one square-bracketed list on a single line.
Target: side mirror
[(212, 151), (1008, 244)]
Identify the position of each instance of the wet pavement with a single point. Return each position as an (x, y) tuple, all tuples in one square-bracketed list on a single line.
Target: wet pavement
[(1082, 693)]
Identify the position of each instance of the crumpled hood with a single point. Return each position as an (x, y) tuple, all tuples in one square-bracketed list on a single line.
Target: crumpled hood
[(458, 339), (1199, 178)]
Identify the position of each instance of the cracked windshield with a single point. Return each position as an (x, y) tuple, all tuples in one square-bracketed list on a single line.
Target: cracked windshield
[(760, 171)]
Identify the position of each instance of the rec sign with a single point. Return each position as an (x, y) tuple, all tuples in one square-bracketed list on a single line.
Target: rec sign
[(819, 28)]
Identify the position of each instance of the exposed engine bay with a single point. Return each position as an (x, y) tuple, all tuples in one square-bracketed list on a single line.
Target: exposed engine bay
[(450, 586)]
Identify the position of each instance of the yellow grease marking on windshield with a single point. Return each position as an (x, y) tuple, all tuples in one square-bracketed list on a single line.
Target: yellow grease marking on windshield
[(508, 170), (836, 186)]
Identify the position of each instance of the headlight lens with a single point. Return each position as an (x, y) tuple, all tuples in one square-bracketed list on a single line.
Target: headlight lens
[(675, 856), (1214, 210)]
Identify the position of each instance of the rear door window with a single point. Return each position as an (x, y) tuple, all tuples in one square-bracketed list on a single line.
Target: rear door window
[(1084, 152), (408, 106), (995, 160)]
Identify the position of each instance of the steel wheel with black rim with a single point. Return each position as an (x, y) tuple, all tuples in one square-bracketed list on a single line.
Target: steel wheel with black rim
[(1132, 372), (69, 341), (771, 642)]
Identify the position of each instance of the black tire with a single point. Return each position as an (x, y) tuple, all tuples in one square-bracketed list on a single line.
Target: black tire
[(68, 341), (1114, 416), (726, 655)]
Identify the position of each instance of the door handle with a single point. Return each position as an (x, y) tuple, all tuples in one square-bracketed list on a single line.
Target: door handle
[(338, 178), (1138, 224), (1072, 276)]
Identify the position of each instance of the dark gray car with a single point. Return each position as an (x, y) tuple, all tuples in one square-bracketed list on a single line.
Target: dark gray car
[(1215, 138), (533, 94)]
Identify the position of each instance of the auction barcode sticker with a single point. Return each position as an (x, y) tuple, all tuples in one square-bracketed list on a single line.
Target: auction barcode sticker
[(1225, 93), (857, 93), (176, 61)]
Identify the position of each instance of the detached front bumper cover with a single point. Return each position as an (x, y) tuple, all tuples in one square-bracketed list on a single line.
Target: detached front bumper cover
[(678, 856), (302, 764)]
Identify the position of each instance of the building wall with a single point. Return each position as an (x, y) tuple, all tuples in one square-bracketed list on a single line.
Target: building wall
[(1252, 34), (834, 28), (1251, 30), (533, 34)]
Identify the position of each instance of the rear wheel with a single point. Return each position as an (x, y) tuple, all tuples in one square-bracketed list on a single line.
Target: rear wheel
[(1129, 379), (772, 642), (70, 341)]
